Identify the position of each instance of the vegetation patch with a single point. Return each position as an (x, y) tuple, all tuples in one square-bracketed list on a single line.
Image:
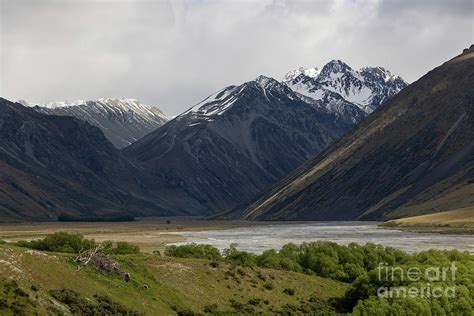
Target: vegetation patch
[(59, 242), (360, 266), (194, 251), (75, 243), (102, 305), (14, 300)]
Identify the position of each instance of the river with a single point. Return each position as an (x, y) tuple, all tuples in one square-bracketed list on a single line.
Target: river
[(257, 239)]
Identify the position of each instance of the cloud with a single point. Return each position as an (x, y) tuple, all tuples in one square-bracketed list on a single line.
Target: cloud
[(174, 53)]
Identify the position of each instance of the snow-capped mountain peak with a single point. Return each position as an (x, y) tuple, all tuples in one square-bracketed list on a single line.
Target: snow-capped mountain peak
[(221, 101), (337, 82), (268, 83), (308, 72), (335, 67), (264, 81)]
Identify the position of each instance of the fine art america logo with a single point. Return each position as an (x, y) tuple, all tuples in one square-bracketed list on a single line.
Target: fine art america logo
[(432, 280)]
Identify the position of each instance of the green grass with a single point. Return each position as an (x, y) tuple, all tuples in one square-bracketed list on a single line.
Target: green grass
[(162, 285)]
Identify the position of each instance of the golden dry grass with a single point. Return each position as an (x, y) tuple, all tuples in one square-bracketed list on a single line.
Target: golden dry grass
[(149, 234), (459, 221), (464, 217)]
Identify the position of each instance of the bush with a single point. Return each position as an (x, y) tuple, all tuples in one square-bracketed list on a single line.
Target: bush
[(268, 286), (194, 251), (182, 311), (210, 309), (59, 242), (81, 306), (20, 292), (254, 301), (362, 296), (235, 256), (124, 248), (3, 303), (289, 291)]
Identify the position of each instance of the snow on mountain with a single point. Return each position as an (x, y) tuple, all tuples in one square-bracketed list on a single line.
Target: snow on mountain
[(221, 101), (123, 121), (337, 82), (308, 72)]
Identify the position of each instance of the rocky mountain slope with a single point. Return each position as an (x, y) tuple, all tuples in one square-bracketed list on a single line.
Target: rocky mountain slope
[(123, 121), (414, 155), (51, 165), (236, 142)]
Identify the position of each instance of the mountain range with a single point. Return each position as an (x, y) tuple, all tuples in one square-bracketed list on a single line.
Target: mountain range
[(215, 156), (414, 155), (243, 138), (123, 121)]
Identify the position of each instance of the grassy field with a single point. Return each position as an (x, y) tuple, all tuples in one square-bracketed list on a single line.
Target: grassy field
[(159, 285), (460, 221), (149, 234)]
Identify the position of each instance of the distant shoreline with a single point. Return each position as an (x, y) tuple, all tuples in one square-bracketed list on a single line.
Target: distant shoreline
[(458, 222)]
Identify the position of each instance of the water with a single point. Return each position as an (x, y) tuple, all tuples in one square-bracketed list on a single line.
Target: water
[(256, 239)]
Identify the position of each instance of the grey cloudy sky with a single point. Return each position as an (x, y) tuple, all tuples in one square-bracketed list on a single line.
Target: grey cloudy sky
[(172, 54)]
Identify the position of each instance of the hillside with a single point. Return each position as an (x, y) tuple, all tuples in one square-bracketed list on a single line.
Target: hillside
[(414, 155), (158, 286), (52, 165)]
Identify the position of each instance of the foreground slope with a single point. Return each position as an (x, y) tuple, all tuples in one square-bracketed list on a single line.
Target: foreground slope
[(414, 155), (123, 121), (235, 143), (158, 286), (51, 165)]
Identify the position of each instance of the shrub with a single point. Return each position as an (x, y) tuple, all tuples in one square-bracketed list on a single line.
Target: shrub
[(268, 286), (3, 303), (210, 308), (254, 301), (124, 248), (20, 292), (81, 306), (289, 291), (194, 251), (182, 311), (235, 256), (59, 242)]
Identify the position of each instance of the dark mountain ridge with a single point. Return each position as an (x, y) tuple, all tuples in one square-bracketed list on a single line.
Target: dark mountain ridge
[(50, 165), (235, 143), (414, 155)]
